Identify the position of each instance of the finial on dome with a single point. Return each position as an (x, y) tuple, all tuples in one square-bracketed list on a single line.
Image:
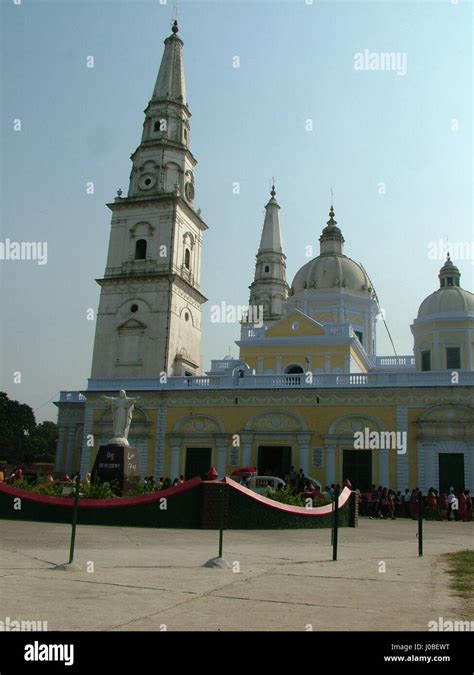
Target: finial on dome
[(175, 28), (331, 222)]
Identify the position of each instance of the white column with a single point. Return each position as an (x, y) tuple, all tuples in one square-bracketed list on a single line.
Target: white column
[(437, 356), (347, 363), (247, 447), (59, 449), (160, 441), (174, 465), (383, 467), (327, 365), (71, 438), (304, 456), (221, 457), (86, 435), (330, 464), (402, 460)]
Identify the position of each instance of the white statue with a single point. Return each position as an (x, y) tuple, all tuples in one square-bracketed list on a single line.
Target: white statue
[(122, 410)]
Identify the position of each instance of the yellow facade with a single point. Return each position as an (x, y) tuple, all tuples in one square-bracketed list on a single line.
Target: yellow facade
[(235, 427)]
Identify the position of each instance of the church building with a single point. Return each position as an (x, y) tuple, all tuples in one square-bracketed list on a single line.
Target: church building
[(308, 389)]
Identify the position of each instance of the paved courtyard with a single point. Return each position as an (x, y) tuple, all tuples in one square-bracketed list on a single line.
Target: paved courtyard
[(145, 579)]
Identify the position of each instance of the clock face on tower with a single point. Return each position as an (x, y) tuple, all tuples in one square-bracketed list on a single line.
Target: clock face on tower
[(189, 191), (147, 181)]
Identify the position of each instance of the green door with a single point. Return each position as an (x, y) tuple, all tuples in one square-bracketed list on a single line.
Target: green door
[(357, 467), (451, 471), (198, 463)]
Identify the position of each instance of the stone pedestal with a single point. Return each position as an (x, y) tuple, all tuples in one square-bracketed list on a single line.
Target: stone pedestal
[(118, 463)]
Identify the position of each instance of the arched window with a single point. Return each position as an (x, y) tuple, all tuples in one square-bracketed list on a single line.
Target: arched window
[(294, 370), (187, 259), (160, 125), (140, 249)]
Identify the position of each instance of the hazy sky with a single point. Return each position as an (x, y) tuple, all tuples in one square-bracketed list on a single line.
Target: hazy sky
[(411, 131)]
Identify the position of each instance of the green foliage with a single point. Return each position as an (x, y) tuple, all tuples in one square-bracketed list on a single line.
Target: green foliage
[(17, 422), (286, 497), (139, 489), (23, 441), (44, 440), (24, 485), (99, 490), (52, 490), (461, 570)]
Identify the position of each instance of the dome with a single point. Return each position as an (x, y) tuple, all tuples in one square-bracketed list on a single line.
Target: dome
[(455, 300), (329, 271), (450, 297)]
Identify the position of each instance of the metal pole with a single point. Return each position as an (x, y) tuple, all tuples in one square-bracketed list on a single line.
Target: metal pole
[(420, 523), (332, 528), (221, 519), (336, 522), (75, 511)]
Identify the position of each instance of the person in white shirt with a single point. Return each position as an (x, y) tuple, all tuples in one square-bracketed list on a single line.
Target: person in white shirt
[(455, 507)]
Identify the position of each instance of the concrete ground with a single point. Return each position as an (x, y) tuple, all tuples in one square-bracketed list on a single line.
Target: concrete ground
[(146, 579)]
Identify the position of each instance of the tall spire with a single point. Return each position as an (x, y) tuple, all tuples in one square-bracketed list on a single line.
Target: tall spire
[(163, 162), (170, 83), (269, 289), (271, 233)]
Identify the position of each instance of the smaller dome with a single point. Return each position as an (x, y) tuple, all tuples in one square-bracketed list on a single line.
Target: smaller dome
[(452, 299), (449, 297)]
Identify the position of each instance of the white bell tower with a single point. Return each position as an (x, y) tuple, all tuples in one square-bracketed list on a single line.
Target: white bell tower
[(149, 317)]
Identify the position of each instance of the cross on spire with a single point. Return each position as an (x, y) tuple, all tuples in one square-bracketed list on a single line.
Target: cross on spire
[(273, 191), (175, 19)]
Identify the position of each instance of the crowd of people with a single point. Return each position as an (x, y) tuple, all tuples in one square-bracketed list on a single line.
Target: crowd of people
[(385, 503), (162, 483)]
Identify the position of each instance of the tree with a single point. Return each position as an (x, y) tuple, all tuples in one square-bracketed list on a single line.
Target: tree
[(17, 424), (45, 441), (22, 441)]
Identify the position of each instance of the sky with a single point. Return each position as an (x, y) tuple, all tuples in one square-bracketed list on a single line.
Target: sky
[(394, 144)]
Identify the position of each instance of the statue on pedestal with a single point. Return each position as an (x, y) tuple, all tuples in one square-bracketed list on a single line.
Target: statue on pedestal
[(122, 411)]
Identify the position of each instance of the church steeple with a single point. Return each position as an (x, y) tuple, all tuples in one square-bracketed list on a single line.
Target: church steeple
[(170, 84), (269, 288), (149, 318), (163, 162)]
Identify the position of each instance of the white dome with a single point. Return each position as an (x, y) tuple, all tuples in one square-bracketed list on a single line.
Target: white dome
[(452, 299), (449, 297), (329, 271)]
